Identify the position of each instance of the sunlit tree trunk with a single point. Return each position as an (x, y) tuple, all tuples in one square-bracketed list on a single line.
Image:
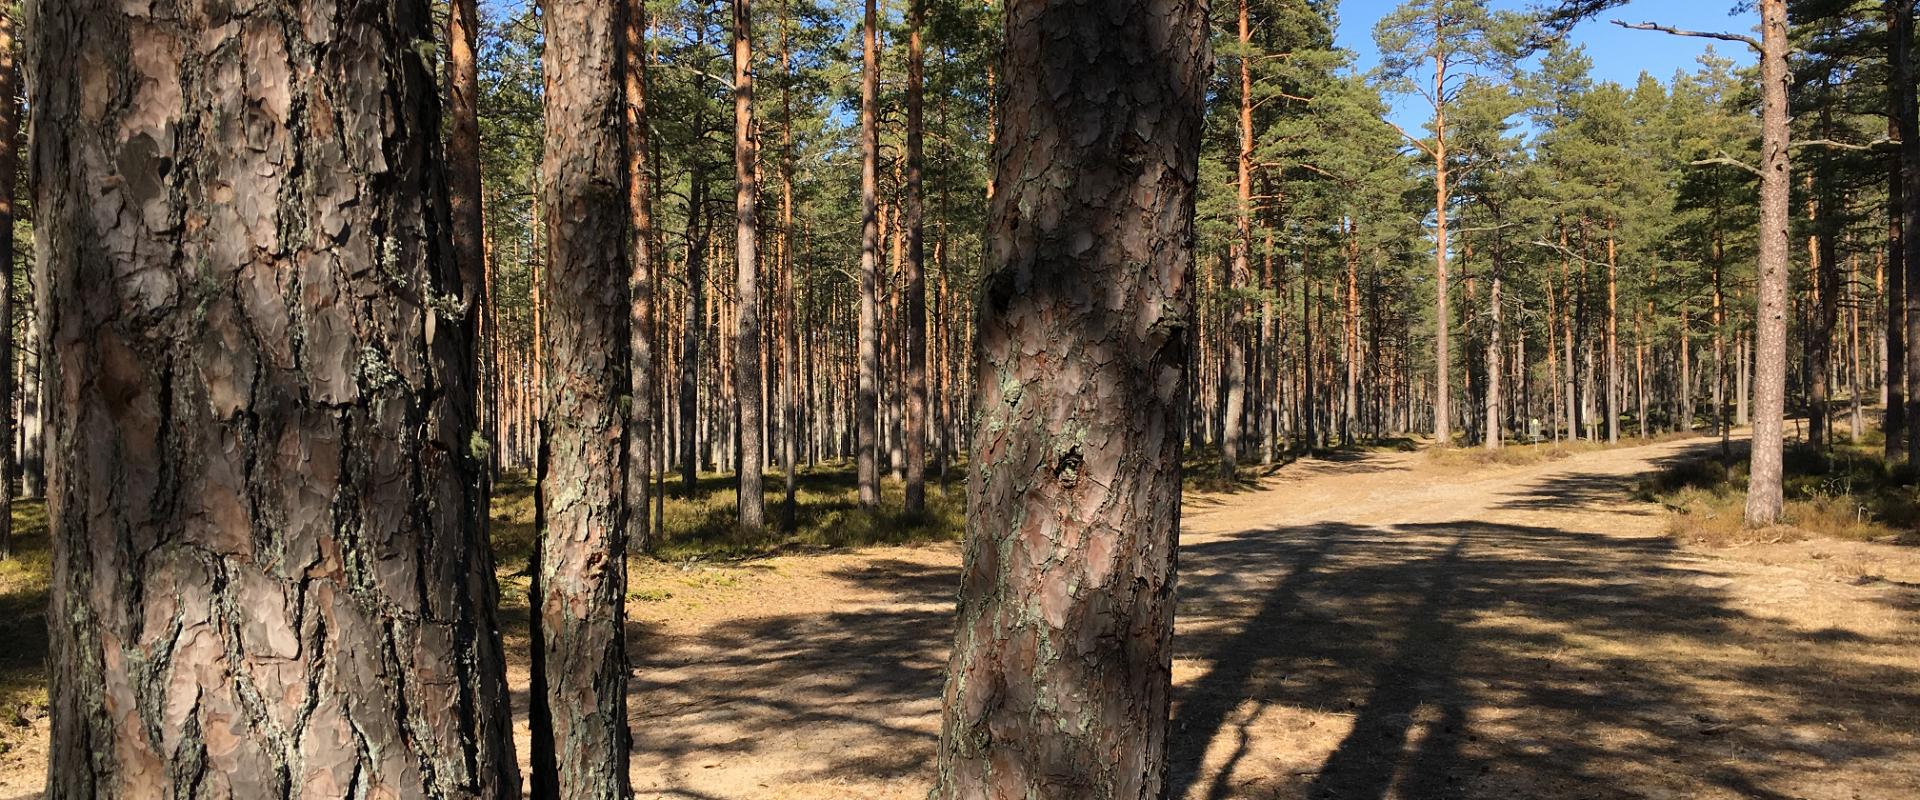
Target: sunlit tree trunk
[(578, 708), (1061, 670), (867, 400), (750, 499), (260, 551), (1764, 491)]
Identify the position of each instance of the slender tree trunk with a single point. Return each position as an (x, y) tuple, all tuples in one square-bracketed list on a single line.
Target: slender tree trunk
[(1061, 670), (750, 498), (790, 377), (1895, 422), (915, 278), (1907, 119), (9, 169), (1350, 426), (1826, 314), (640, 323), (1613, 340), (1856, 422), (1764, 490), (866, 405), (693, 313), (259, 552), (578, 708), (1443, 387), (1234, 373)]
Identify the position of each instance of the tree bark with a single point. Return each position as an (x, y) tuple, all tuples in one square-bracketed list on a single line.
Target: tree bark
[(915, 277), (1443, 369), (866, 410), (750, 500), (9, 169), (640, 323), (1613, 341), (1895, 422), (269, 570), (578, 600), (1765, 500), (790, 377), (1907, 117), (1061, 668)]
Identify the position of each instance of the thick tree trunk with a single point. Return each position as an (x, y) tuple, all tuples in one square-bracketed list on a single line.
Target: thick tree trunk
[(1764, 490), (578, 600), (750, 500), (866, 412), (1061, 668), (915, 277), (640, 324), (269, 574)]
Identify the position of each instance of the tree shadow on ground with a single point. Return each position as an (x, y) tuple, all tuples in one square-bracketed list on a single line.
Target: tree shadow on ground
[(1483, 660), (1454, 660)]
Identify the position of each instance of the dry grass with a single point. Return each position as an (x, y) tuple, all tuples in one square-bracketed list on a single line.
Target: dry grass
[(23, 625), (1850, 494), (1514, 454)]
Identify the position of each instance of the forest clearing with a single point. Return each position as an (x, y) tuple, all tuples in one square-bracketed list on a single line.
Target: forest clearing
[(1373, 626)]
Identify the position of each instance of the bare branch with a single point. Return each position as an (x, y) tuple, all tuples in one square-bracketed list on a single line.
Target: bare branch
[(1725, 37), (1881, 144), (1726, 160), (1410, 138)]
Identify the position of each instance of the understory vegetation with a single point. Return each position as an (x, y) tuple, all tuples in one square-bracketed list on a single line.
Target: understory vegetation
[(1849, 491)]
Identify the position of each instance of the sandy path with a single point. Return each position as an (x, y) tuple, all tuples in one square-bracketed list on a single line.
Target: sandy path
[(1365, 629)]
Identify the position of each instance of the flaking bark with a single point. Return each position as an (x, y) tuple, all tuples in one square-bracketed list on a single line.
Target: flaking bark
[(579, 591), (268, 573), (1060, 674)]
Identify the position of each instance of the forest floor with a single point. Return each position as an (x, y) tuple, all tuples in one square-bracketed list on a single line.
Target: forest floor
[(1359, 627)]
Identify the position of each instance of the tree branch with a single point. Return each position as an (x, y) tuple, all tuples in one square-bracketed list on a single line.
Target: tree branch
[(1410, 138), (1725, 37), (1726, 160)]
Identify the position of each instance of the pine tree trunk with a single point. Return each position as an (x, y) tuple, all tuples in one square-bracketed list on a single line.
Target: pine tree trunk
[(1061, 670), (640, 295), (1442, 357), (578, 600), (262, 554), (1764, 491), (915, 277), (750, 499), (1907, 118), (1895, 422), (866, 410), (1613, 339), (790, 377), (9, 169)]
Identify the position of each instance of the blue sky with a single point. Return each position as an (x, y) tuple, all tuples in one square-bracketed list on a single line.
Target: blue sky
[(1618, 54)]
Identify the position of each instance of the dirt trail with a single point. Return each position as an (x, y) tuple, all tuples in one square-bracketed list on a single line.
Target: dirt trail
[(1371, 628)]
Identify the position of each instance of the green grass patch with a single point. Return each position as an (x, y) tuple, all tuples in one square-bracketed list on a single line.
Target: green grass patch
[(702, 525)]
